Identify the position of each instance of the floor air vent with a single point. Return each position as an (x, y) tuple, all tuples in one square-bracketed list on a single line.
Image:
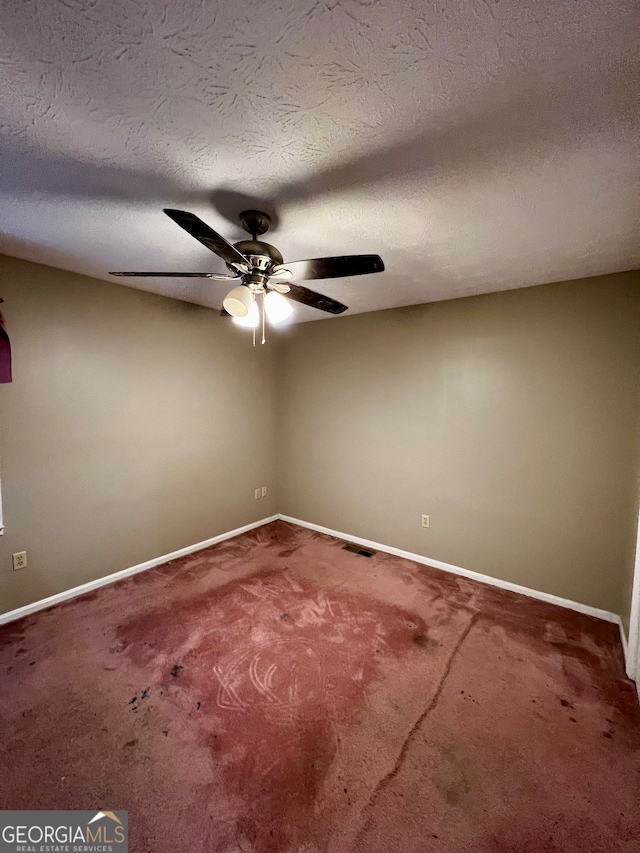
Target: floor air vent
[(356, 549)]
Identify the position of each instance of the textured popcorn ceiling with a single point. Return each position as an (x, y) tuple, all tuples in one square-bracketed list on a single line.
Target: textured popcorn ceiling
[(476, 146)]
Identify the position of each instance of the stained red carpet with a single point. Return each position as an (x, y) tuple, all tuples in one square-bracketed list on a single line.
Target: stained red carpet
[(277, 693)]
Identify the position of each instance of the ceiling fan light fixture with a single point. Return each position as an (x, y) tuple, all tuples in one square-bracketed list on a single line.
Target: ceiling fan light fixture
[(238, 301), (256, 263), (277, 307), (251, 319)]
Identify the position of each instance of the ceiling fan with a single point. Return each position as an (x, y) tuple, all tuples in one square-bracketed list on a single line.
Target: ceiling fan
[(262, 272)]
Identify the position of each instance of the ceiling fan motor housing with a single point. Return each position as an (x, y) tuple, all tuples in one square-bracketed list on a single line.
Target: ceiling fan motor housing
[(262, 256)]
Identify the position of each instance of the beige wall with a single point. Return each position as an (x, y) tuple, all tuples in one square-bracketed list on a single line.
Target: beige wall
[(135, 425), (512, 419)]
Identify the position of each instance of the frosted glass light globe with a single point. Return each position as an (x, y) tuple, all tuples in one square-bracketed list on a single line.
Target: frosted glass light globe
[(251, 319), (238, 301), (277, 307)]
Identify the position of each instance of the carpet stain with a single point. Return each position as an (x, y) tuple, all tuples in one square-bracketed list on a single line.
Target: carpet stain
[(300, 700), (279, 687), (425, 642), (412, 733)]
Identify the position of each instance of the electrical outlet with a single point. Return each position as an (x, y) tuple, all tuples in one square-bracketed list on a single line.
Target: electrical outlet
[(256, 494), (19, 561), (264, 491), (425, 520)]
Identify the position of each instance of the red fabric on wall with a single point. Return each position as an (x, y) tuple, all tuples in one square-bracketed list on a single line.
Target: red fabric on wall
[(5, 352)]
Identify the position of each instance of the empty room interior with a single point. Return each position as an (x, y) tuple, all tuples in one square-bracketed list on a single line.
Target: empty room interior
[(320, 426)]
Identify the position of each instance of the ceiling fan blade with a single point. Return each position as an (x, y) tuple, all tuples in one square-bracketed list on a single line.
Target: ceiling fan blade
[(214, 275), (208, 237), (315, 300), (337, 267)]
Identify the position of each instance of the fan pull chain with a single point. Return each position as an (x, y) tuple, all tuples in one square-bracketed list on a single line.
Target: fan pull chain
[(264, 340)]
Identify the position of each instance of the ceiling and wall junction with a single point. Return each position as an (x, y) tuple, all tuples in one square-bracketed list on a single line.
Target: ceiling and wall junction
[(476, 146)]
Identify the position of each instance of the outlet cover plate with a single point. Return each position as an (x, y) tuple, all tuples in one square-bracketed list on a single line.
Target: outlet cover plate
[(19, 561)]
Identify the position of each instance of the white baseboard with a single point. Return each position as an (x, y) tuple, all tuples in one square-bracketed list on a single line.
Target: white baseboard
[(28, 609), (43, 603), (607, 615)]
